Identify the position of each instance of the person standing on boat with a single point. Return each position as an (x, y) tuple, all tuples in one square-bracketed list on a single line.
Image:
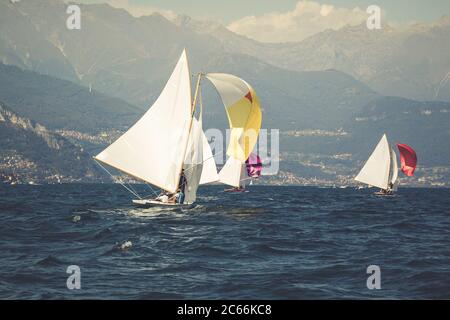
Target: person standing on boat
[(389, 189), (179, 196)]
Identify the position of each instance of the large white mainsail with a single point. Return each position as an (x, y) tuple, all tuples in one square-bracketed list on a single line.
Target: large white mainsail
[(376, 170), (154, 148)]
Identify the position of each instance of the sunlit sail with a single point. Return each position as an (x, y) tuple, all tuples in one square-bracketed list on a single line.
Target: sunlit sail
[(243, 111)]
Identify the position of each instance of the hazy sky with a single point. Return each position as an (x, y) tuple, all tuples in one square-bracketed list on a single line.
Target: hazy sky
[(288, 20), (230, 10)]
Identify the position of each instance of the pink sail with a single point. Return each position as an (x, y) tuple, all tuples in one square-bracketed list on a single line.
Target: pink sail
[(254, 166), (408, 159)]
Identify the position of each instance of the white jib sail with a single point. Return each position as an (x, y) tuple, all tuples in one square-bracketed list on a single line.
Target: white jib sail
[(376, 170), (193, 162), (232, 173), (244, 177), (153, 149), (209, 172), (394, 169)]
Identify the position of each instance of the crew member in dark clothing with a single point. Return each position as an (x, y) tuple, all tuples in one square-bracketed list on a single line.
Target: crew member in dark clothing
[(179, 196), (389, 189)]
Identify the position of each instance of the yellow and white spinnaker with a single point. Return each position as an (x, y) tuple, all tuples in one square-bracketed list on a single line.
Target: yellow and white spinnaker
[(244, 113)]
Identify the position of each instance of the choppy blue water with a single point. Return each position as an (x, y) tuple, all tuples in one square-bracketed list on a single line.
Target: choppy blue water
[(271, 243)]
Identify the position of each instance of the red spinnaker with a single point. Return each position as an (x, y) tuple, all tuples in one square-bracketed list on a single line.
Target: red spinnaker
[(408, 159), (254, 166)]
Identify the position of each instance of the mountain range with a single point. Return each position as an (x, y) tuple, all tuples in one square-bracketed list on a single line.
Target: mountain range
[(331, 95), (411, 62)]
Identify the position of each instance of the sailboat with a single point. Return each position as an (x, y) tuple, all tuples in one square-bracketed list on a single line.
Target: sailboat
[(167, 143), (237, 174), (254, 167), (381, 169), (244, 116)]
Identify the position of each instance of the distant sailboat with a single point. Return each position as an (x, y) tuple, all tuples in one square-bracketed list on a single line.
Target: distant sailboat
[(381, 169), (244, 115), (237, 174), (167, 143)]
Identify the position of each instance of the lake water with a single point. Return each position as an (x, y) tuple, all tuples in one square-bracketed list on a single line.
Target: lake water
[(270, 243)]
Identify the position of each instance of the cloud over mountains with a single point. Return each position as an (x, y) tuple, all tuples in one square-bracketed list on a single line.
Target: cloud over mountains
[(306, 19)]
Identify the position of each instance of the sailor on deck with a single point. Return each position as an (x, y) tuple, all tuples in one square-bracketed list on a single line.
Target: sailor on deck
[(181, 187), (179, 195)]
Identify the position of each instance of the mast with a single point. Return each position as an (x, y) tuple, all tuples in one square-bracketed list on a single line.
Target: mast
[(194, 102), (197, 88)]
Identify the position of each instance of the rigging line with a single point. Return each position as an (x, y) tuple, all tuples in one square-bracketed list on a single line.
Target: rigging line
[(155, 194), (150, 187), (123, 185), (129, 185), (120, 182), (148, 196)]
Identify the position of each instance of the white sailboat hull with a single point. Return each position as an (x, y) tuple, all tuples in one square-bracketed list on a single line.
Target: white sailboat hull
[(382, 194), (236, 190), (145, 203)]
